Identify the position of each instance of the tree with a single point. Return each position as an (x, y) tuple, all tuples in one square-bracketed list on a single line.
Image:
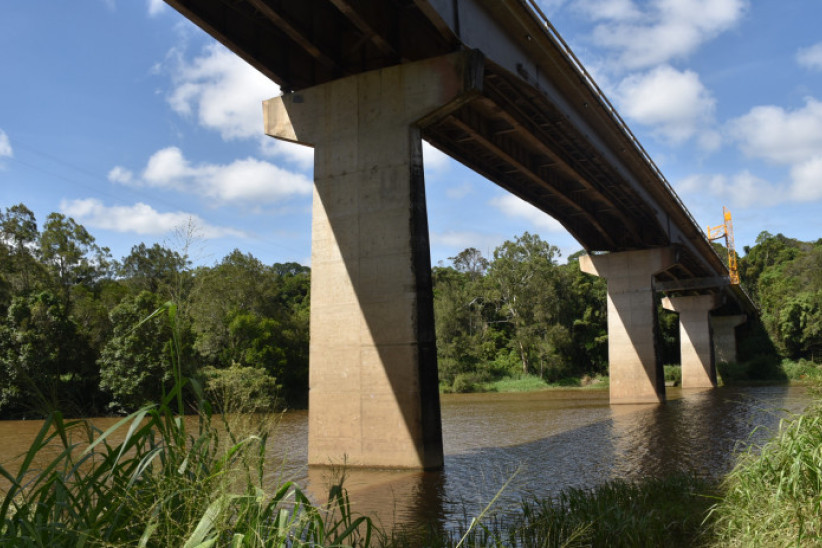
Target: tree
[(18, 234), (529, 289), (154, 269), (136, 364), (45, 362), (71, 254)]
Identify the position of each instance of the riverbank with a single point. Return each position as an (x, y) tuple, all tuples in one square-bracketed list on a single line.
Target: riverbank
[(753, 373)]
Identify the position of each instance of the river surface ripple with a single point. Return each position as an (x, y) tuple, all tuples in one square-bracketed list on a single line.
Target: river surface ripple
[(546, 441)]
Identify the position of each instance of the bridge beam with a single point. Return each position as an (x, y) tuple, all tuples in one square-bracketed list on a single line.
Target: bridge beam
[(695, 338), (373, 398), (635, 367), (725, 336)]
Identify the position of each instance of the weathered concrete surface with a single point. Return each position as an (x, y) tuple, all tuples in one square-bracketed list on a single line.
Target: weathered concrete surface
[(635, 367), (373, 397), (695, 338), (725, 336)]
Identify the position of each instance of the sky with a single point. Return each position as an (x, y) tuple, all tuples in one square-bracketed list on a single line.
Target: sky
[(131, 120)]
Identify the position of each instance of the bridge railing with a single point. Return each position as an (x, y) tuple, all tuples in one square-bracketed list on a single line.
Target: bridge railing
[(609, 107)]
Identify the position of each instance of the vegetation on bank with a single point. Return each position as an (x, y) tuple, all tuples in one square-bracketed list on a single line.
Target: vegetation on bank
[(518, 319)]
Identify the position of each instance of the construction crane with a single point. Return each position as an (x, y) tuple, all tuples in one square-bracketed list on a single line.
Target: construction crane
[(726, 230)]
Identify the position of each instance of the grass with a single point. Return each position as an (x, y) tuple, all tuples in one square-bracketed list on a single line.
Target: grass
[(773, 497), (163, 484)]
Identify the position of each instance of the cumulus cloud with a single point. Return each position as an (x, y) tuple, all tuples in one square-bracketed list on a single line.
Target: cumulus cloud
[(463, 239), (433, 159), (806, 180), (810, 57), (512, 206), (243, 181), (300, 155), (743, 189), (155, 7), (5, 145), (660, 30), (673, 102), (780, 136), (461, 191), (222, 91), (139, 218)]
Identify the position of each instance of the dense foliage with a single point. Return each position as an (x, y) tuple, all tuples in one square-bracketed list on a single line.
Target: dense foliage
[(520, 313), (72, 336)]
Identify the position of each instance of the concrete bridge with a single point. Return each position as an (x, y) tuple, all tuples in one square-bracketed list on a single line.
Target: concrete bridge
[(492, 84)]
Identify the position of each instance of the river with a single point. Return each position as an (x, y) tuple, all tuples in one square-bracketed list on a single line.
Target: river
[(546, 441)]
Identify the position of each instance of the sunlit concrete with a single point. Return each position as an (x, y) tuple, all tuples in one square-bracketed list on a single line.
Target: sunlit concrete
[(695, 338), (373, 397), (725, 336), (635, 367)]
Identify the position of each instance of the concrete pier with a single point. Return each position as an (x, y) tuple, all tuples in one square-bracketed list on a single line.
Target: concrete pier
[(635, 367), (695, 338), (725, 336), (373, 397)]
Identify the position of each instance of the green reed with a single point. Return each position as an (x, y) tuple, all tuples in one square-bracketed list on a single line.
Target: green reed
[(162, 484), (773, 497)]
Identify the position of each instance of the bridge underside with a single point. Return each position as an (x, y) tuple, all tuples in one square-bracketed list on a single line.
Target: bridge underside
[(530, 120)]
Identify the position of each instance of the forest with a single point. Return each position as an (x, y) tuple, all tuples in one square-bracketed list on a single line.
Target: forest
[(78, 333)]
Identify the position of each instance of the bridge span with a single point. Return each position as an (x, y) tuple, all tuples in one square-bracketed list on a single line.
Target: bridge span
[(492, 84)]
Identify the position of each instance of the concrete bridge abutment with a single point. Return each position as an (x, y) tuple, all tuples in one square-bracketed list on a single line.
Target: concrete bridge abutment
[(373, 387), (696, 338), (635, 366)]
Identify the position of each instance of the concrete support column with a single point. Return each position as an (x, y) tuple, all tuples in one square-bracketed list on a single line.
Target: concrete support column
[(373, 397), (635, 367), (725, 336), (695, 338)]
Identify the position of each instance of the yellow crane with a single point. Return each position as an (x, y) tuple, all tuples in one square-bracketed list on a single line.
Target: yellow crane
[(726, 230)]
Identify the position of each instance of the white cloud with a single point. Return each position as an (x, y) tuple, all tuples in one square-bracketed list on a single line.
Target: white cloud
[(806, 185), (300, 155), (810, 57), (661, 30), (120, 175), (139, 218), (746, 190), (247, 180), (461, 191), (780, 136), (674, 103), (434, 160), (5, 145), (459, 240), (223, 91), (615, 10), (155, 7), (512, 206)]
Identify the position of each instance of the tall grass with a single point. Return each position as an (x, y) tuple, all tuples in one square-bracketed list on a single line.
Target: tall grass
[(163, 484), (773, 497)]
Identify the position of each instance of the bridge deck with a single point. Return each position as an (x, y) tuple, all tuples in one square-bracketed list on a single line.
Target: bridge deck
[(540, 128)]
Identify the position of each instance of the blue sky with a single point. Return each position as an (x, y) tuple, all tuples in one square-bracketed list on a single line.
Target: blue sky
[(128, 118)]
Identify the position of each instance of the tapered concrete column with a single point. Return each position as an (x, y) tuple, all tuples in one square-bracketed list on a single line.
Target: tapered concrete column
[(725, 336), (695, 338), (635, 367), (373, 397)]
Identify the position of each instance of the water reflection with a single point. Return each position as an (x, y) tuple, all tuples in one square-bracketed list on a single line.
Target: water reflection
[(546, 441)]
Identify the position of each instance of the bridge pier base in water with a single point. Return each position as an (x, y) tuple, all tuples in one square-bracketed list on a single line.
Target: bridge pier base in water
[(725, 336), (373, 388), (634, 363), (695, 338)]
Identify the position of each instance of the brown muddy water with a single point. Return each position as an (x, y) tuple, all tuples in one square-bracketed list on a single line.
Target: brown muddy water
[(546, 441)]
